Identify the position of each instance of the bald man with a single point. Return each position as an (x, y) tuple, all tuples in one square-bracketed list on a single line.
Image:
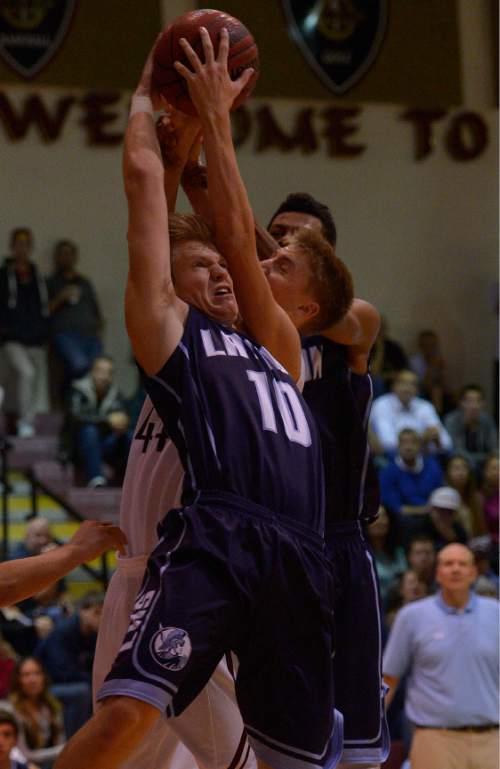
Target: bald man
[(448, 643)]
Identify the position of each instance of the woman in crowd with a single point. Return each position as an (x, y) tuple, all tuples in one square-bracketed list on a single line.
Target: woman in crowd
[(38, 712), (489, 497), (405, 589), (460, 477), (389, 555)]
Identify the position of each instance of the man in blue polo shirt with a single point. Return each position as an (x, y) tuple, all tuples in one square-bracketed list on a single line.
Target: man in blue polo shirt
[(449, 645)]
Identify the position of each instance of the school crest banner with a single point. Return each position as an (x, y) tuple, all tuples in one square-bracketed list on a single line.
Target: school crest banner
[(340, 39), (31, 32)]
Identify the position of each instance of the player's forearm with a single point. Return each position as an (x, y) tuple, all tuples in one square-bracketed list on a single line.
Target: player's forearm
[(233, 224), (232, 216), (143, 176), (24, 577), (266, 244), (195, 185)]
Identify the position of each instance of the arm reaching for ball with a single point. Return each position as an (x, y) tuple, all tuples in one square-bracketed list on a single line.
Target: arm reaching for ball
[(155, 316), (213, 92)]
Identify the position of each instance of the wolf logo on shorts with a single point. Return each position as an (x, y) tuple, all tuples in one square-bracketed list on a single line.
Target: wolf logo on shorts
[(171, 648)]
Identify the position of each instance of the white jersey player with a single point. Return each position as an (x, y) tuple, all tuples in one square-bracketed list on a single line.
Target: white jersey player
[(210, 731)]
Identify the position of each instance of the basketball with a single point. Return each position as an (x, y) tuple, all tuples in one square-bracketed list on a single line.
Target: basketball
[(243, 53)]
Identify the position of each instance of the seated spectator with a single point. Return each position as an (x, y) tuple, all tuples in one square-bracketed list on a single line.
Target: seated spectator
[(47, 608), (18, 629), (401, 409), (24, 315), (460, 477), (442, 523), (407, 482), (67, 655), (75, 317), (405, 589), (390, 558), (471, 428), (8, 659), (481, 547), (421, 557), (489, 498), (388, 357), (99, 422), (38, 713), (428, 364), (37, 537), (9, 732)]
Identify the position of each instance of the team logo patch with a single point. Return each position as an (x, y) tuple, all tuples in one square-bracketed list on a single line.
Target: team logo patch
[(171, 648), (339, 38), (31, 31)]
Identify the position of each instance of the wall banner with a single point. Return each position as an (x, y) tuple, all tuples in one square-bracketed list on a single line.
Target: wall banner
[(339, 38), (32, 31)]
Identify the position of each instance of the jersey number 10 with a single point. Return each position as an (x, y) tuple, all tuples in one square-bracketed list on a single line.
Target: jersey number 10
[(289, 406)]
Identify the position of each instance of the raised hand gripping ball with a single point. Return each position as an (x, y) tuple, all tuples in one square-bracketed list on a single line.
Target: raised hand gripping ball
[(243, 53)]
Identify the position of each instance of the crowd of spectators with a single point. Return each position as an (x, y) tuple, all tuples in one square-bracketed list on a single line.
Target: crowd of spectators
[(437, 456), (47, 646), (51, 331)]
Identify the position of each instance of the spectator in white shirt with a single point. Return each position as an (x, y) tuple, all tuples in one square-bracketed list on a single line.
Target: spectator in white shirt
[(401, 409)]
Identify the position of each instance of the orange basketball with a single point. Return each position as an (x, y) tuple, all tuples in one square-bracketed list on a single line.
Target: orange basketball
[(243, 53)]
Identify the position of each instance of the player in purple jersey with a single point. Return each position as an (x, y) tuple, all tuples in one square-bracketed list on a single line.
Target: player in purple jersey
[(339, 393), (230, 557), (338, 389)]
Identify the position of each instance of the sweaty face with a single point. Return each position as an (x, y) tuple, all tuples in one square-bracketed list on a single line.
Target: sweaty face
[(289, 277), (288, 223), (202, 280)]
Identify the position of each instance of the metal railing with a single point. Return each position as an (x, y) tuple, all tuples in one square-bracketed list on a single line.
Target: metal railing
[(36, 485)]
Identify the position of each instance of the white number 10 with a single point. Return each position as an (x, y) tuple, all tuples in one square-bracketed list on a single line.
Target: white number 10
[(289, 406)]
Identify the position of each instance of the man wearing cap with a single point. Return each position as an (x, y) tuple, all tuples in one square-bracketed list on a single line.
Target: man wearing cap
[(448, 643), (442, 523)]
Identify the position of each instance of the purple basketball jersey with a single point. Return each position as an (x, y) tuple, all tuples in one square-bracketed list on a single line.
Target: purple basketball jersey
[(340, 402), (239, 423)]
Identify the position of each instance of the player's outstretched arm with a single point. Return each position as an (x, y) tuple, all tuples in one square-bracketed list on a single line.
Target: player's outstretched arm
[(213, 92), (357, 330), (22, 578), (179, 135), (154, 315)]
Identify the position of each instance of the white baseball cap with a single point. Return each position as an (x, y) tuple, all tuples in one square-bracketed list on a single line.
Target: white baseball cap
[(446, 498)]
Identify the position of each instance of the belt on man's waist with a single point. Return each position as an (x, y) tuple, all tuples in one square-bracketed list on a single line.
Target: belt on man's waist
[(471, 729)]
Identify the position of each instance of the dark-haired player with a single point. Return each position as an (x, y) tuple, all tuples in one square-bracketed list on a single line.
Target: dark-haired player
[(338, 390), (241, 566)]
